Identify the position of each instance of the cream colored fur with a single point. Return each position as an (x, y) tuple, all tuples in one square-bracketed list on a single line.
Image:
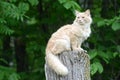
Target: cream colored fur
[(68, 37)]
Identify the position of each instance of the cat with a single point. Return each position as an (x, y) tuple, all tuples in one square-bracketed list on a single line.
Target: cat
[(69, 37)]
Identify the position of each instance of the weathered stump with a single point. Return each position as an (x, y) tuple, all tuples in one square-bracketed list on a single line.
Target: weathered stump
[(78, 64)]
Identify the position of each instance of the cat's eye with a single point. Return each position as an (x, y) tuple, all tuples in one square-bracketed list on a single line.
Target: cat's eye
[(83, 17)]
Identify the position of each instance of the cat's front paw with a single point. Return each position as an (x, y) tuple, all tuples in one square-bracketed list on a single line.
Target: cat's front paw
[(80, 50), (83, 51)]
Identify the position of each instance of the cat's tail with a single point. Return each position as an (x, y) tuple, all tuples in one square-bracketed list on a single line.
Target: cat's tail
[(55, 64)]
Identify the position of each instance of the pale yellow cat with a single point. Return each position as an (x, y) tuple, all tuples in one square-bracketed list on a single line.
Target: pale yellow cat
[(68, 37)]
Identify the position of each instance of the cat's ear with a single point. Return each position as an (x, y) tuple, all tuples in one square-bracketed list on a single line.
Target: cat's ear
[(76, 12), (87, 12)]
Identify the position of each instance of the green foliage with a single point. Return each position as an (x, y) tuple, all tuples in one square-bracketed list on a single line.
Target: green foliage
[(11, 11), (5, 30), (96, 66), (70, 4), (97, 56), (14, 76), (35, 20), (33, 2), (8, 74), (13, 0), (114, 23), (116, 26), (105, 41)]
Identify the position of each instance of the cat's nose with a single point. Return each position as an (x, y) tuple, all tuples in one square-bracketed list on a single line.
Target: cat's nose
[(80, 20)]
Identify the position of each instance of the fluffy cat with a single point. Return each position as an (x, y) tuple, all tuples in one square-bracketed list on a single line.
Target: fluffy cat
[(68, 37)]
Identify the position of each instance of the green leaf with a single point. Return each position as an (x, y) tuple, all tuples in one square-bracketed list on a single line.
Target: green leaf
[(118, 48), (33, 2), (5, 30), (116, 26), (106, 60), (96, 66), (2, 75), (101, 23), (3, 60), (103, 54), (115, 54), (31, 21), (2, 20), (14, 76), (93, 68), (16, 12), (6, 69), (23, 6), (93, 54), (71, 4), (75, 5), (22, 9), (67, 5), (62, 1), (109, 21), (99, 66), (12, 0)]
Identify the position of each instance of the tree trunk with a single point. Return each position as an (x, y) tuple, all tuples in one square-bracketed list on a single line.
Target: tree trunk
[(78, 64), (20, 55)]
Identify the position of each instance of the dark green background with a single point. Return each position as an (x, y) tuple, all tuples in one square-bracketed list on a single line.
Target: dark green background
[(26, 26)]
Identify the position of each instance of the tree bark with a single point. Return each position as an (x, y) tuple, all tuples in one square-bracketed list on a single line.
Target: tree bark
[(78, 64)]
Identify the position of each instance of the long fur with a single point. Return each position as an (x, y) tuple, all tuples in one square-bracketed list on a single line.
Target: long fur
[(56, 64), (68, 37)]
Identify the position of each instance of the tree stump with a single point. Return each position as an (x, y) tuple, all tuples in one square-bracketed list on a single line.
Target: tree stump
[(78, 64)]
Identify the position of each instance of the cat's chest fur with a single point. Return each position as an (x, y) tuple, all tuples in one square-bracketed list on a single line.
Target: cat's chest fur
[(81, 31), (86, 32)]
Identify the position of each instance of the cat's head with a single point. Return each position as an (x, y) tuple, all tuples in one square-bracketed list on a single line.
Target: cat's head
[(83, 18)]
